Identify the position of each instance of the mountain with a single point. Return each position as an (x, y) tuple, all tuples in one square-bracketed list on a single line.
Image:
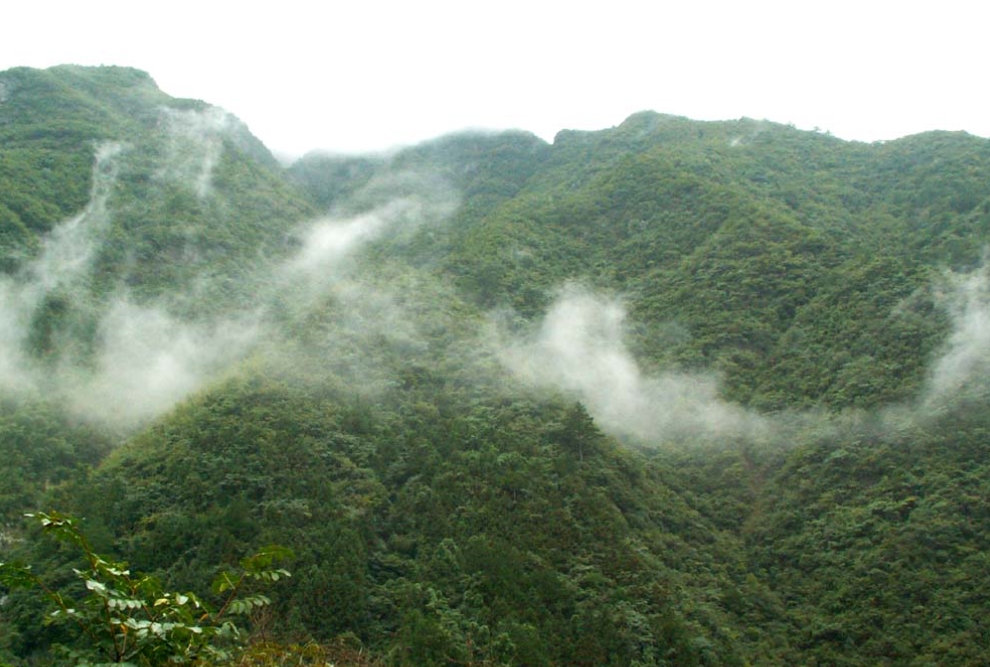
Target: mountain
[(673, 392), (126, 215)]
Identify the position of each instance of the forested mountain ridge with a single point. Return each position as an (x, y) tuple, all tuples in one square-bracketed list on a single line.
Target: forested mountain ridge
[(674, 392), (124, 209)]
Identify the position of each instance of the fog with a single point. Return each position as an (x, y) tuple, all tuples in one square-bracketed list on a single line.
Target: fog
[(579, 348), (148, 360), (193, 145), (325, 243), (146, 354), (144, 359), (68, 250), (962, 370), (63, 262)]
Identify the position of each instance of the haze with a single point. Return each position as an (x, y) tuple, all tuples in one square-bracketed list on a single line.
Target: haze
[(366, 77), (147, 355)]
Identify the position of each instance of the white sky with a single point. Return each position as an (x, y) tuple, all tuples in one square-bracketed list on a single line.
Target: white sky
[(367, 75)]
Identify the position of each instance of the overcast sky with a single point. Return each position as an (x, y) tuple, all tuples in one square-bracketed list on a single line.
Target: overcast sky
[(368, 75)]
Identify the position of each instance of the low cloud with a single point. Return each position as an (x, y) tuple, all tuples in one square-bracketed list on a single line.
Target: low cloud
[(579, 349), (962, 370), (193, 142), (121, 360), (64, 262), (389, 208), (67, 253), (329, 240), (144, 357), (147, 360)]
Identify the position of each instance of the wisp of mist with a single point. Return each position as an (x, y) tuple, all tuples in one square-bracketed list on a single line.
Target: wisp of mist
[(147, 358), (962, 371), (579, 349), (193, 145)]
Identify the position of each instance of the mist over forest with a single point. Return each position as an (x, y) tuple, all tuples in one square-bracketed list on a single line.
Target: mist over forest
[(668, 393)]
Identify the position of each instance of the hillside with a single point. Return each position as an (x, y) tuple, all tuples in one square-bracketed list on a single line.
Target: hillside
[(674, 392)]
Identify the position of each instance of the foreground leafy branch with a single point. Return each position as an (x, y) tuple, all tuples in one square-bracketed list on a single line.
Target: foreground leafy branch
[(129, 619)]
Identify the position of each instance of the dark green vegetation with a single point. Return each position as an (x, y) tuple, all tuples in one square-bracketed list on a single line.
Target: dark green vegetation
[(430, 396), (128, 618)]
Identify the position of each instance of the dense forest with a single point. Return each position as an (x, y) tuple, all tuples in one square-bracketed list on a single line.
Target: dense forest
[(669, 393)]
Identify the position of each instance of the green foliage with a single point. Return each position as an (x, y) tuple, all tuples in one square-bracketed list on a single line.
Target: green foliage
[(437, 524), (440, 513), (775, 252), (131, 619), (41, 447), (165, 229)]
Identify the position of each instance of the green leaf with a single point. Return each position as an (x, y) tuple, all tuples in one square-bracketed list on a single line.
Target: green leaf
[(96, 587)]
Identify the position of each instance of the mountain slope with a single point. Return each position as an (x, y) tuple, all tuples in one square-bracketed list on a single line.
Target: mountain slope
[(129, 222), (668, 393)]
